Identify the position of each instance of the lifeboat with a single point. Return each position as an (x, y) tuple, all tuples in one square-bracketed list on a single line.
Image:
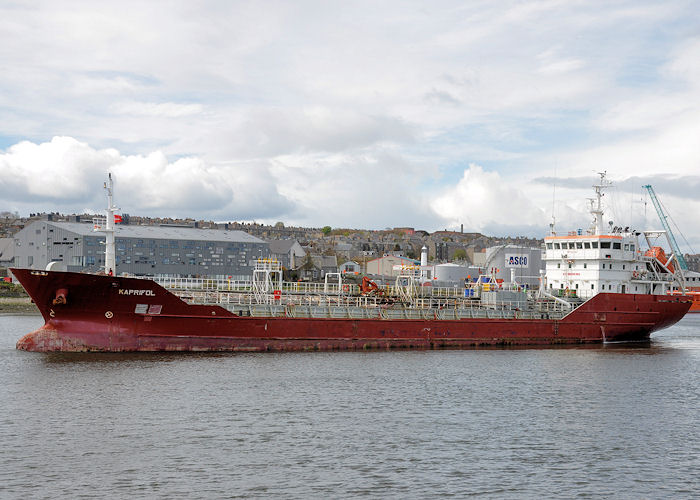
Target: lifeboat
[(659, 254)]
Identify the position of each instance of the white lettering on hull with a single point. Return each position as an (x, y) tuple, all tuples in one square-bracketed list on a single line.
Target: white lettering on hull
[(125, 291)]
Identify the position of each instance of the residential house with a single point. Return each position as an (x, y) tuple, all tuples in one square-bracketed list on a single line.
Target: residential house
[(289, 252)]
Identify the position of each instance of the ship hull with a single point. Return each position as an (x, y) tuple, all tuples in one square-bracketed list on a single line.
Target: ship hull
[(695, 307), (84, 312)]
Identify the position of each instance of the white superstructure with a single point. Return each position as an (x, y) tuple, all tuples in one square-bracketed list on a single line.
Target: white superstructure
[(584, 263)]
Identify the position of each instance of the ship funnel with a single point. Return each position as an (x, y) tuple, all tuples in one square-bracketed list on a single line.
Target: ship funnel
[(424, 256)]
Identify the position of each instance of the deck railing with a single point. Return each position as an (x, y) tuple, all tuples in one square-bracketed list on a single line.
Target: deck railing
[(306, 288)]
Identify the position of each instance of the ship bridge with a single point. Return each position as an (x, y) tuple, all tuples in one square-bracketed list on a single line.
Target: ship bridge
[(584, 263)]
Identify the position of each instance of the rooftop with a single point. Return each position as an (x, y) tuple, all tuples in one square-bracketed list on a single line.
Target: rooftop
[(163, 233)]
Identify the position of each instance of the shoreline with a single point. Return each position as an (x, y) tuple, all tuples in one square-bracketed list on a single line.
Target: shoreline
[(18, 306)]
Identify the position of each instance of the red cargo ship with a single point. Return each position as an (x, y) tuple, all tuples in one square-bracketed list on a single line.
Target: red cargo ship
[(103, 313), (579, 300)]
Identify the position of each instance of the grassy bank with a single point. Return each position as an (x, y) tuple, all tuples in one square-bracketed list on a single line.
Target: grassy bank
[(17, 305)]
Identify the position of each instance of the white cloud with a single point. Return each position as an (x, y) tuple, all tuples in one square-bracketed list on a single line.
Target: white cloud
[(65, 174), (482, 200), (684, 63), (359, 114), (164, 109), (371, 189)]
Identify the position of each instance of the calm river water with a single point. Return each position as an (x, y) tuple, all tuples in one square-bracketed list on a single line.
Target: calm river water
[(610, 421)]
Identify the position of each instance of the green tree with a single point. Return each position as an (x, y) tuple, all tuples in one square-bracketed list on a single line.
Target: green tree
[(460, 254), (326, 230)]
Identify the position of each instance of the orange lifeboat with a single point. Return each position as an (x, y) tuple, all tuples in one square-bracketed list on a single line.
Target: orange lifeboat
[(659, 254)]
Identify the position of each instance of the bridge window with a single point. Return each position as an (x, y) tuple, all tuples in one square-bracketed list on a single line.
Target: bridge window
[(604, 244), (556, 246), (617, 246), (549, 246), (579, 245), (587, 244), (594, 244)]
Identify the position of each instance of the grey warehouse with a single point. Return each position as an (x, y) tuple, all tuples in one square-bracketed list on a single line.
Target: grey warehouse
[(141, 250)]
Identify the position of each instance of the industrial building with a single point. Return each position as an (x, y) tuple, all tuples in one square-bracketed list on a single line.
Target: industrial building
[(389, 265), (140, 250), (504, 261)]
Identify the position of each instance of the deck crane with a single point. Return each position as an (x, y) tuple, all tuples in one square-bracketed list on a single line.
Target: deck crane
[(667, 228)]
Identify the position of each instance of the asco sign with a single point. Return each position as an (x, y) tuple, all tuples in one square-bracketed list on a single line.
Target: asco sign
[(513, 260)]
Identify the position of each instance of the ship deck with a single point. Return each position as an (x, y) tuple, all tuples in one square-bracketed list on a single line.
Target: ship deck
[(323, 300)]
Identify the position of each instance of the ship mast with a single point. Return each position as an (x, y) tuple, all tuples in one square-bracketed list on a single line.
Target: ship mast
[(597, 205), (110, 261)]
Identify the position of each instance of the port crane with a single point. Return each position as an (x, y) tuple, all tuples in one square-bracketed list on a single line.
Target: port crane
[(671, 239)]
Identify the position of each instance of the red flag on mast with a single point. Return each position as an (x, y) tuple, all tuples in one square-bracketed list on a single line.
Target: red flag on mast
[(117, 219)]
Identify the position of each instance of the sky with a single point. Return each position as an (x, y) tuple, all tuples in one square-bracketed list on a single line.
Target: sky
[(494, 115)]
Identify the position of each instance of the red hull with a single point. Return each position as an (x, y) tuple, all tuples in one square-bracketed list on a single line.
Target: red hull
[(102, 313), (694, 295)]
